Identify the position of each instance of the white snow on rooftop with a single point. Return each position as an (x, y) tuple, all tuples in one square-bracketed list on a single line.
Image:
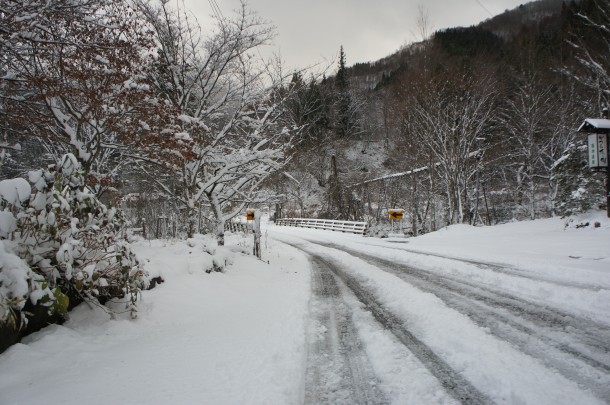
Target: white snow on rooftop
[(595, 123)]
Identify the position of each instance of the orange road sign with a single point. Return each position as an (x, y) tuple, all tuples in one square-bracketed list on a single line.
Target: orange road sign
[(396, 215), (250, 215)]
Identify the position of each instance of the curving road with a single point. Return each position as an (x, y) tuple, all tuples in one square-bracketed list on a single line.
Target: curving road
[(339, 370)]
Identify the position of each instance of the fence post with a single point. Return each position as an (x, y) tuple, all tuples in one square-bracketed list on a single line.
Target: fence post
[(257, 233)]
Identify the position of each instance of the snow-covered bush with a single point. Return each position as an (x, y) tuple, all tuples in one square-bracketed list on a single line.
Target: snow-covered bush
[(70, 243), (17, 281)]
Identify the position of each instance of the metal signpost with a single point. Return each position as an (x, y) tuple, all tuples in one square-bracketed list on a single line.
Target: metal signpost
[(597, 148), (395, 215), (254, 215)]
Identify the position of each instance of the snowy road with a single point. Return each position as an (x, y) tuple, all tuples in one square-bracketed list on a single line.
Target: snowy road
[(578, 348), (356, 384), (541, 353), (510, 314), (338, 370)]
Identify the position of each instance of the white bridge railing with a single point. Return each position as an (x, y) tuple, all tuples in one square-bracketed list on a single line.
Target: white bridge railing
[(327, 224)]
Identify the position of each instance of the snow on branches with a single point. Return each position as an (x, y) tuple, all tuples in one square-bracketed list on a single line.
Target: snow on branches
[(81, 69), (226, 109)]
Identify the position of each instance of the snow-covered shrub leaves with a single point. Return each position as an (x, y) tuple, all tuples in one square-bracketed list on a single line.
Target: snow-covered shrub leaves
[(17, 284), (15, 192), (71, 242)]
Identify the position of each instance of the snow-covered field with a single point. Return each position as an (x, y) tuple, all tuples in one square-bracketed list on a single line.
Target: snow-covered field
[(246, 336)]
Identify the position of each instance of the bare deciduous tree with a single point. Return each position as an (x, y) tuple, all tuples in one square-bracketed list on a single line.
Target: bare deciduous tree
[(221, 90), (451, 123)]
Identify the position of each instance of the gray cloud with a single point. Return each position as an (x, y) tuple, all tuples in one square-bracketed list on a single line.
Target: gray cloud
[(312, 31)]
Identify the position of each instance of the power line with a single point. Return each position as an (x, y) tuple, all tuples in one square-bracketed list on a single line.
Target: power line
[(484, 8), (216, 10)]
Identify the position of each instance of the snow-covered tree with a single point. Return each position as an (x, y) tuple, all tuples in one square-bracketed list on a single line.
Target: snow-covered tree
[(578, 190), (594, 57), (347, 106), (220, 88), (18, 283), (75, 73), (309, 107), (343, 113), (450, 123), (529, 123)]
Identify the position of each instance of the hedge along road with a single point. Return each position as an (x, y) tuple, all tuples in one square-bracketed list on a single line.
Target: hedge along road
[(480, 345)]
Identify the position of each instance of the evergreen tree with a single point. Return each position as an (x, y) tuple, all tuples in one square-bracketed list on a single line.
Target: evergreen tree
[(342, 82), (344, 122), (308, 108), (578, 189)]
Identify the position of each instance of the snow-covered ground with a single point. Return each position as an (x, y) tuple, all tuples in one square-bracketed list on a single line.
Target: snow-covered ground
[(246, 336)]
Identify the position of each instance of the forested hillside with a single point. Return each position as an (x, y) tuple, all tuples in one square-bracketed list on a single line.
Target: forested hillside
[(481, 121)]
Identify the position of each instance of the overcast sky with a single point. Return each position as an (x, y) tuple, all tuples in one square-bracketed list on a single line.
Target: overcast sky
[(311, 31)]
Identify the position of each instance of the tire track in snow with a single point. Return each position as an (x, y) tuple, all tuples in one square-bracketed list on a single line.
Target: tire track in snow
[(338, 370), (454, 384), (496, 268), (578, 348)]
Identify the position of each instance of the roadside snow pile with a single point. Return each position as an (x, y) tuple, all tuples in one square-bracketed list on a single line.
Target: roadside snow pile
[(198, 254), (539, 243), (230, 337)]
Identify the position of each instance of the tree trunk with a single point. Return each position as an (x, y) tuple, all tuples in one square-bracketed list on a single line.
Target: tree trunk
[(532, 197), (219, 219), (414, 204), (220, 231), (455, 209), (191, 217)]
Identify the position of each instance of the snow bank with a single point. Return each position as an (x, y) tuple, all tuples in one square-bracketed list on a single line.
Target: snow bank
[(237, 336), (232, 337), (8, 224)]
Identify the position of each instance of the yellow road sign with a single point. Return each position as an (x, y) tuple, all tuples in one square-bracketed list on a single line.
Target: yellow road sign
[(396, 215), (250, 215)]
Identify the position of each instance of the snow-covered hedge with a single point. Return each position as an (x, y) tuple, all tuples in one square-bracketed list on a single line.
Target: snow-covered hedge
[(64, 245)]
